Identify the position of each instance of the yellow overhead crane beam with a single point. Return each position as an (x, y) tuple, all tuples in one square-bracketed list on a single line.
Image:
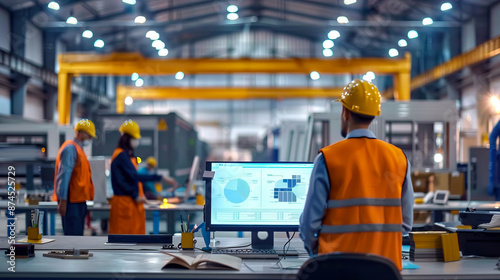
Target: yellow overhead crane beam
[(168, 93), (129, 63)]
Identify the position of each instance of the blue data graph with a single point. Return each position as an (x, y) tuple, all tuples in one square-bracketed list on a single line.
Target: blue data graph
[(237, 190), (284, 189)]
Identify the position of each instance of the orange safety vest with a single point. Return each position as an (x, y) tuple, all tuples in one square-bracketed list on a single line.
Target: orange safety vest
[(81, 187), (126, 215), (364, 213)]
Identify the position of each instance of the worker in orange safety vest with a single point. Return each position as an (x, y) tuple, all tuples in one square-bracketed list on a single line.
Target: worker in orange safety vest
[(360, 197), (127, 215), (73, 185)]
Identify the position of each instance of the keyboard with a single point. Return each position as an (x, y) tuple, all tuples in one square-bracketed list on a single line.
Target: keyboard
[(248, 253)]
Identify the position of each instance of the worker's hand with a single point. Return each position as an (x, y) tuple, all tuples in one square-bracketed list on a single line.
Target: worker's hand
[(171, 181), (140, 199), (62, 205)]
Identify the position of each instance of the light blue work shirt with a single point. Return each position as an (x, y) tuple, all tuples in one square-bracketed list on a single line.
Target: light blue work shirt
[(319, 191), (65, 169)]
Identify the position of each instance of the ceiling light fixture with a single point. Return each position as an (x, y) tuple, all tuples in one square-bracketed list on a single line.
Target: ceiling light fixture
[(342, 20), (349, 2), (163, 52), (134, 77), (130, 2), (99, 43), (232, 9), (402, 43), (139, 82), (129, 100), (327, 52), (427, 21), (54, 5), (412, 34), (328, 44), (140, 19), (314, 75), (179, 75), (334, 34), (232, 16), (71, 20), (446, 6), (393, 52), (87, 34), (158, 44)]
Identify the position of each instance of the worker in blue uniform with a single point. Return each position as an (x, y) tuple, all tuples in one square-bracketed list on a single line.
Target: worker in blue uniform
[(150, 190)]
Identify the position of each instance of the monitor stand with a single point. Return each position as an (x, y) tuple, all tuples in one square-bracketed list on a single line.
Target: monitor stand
[(265, 243)]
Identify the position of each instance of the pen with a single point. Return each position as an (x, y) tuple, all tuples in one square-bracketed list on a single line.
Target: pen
[(182, 224)]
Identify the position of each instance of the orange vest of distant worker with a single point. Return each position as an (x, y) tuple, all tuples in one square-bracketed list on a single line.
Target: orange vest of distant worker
[(126, 215), (364, 206), (81, 187)]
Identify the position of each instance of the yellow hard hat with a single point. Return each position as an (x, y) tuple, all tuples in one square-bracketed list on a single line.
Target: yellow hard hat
[(361, 97), (151, 161), (86, 125), (131, 128)]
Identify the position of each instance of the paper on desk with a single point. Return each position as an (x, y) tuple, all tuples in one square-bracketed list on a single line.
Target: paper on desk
[(292, 263), (41, 241)]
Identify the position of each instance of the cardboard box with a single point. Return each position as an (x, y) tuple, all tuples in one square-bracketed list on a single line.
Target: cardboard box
[(457, 183), (420, 181), (442, 181)]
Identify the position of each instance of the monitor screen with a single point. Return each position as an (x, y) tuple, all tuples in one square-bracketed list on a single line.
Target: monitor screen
[(256, 196)]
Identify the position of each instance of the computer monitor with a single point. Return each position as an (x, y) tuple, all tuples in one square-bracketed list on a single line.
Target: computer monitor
[(189, 192), (256, 196)]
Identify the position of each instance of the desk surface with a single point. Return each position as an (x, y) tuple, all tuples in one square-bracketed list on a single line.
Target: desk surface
[(146, 264), (99, 207), (459, 205)]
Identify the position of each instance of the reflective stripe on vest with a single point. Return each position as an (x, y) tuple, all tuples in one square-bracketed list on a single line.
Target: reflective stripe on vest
[(362, 228), (364, 202)]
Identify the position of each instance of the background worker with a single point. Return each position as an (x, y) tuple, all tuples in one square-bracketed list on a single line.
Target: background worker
[(150, 190), (360, 195), (73, 179), (127, 215)]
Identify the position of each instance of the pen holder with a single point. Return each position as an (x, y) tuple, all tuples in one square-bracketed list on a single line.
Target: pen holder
[(33, 233), (187, 240)]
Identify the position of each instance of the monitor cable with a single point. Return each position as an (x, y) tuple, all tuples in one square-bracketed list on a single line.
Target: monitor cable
[(285, 248)]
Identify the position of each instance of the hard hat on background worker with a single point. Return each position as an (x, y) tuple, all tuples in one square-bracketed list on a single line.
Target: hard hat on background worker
[(131, 128), (87, 126), (361, 97), (151, 161)]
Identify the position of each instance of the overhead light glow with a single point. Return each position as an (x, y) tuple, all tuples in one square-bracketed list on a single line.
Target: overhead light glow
[(87, 34), (314, 75), (139, 82), (232, 9), (328, 44), (158, 44), (129, 100), (438, 157), (334, 34), (370, 75), (153, 35), (179, 75), (495, 103), (393, 52), (54, 5), (327, 52), (140, 19), (446, 6), (349, 2), (366, 78), (402, 43), (134, 76), (342, 20), (71, 20), (99, 43), (412, 34), (130, 2), (232, 16), (163, 52), (427, 21)]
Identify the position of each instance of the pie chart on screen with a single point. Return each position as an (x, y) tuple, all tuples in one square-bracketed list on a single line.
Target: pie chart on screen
[(237, 190)]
